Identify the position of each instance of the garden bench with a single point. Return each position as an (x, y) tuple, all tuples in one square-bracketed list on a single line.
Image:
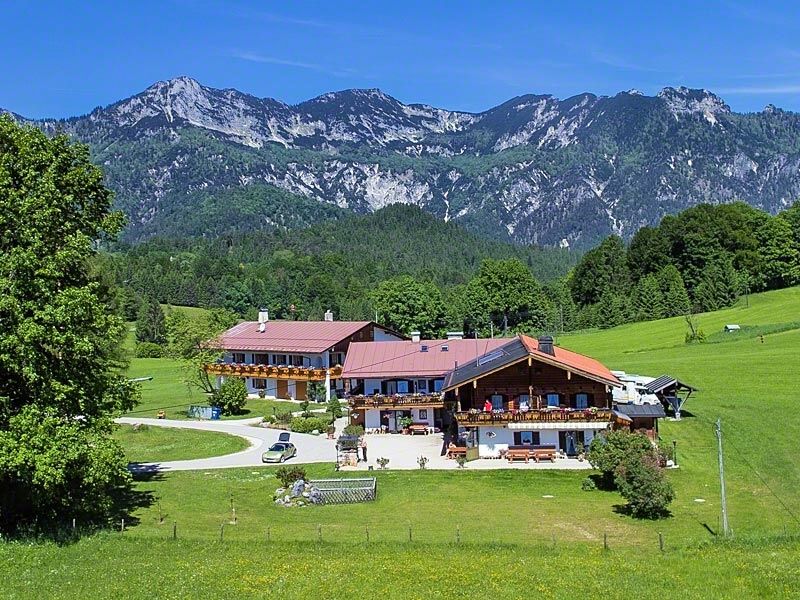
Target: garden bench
[(518, 454), (544, 453), (415, 428), (454, 451)]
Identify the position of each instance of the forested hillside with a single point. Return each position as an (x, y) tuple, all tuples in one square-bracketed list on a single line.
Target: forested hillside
[(334, 265)]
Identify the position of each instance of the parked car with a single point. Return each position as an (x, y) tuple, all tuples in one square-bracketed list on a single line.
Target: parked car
[(279, 452)]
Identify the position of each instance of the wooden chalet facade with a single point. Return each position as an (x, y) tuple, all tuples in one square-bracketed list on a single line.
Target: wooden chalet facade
[(529, 392)]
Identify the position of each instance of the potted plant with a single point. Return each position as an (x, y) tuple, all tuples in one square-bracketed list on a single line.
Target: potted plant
[(405, 423), (382, 462), (581, 452)]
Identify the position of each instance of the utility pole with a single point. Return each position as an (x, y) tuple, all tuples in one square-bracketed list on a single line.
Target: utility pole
[(725, 526)]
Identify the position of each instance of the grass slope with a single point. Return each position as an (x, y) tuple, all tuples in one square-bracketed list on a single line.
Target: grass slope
[(134, 568), (150, 444)]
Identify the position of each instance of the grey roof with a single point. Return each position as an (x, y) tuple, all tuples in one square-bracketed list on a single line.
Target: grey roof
[(506, 354), (641, 410), (665, 381)]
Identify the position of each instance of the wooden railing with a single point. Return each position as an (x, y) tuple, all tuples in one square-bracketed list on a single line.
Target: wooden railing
[(272, 371), (397, 401), (475, 417)]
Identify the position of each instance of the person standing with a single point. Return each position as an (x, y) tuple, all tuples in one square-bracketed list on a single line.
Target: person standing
[(364, 448)]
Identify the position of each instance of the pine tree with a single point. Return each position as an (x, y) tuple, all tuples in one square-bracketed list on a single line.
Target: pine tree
[(648, 300), (151, 323), (676, 298)]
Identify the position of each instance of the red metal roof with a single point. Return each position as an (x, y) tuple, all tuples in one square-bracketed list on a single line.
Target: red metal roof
[(380, 360), (580, 363), (289, 336)]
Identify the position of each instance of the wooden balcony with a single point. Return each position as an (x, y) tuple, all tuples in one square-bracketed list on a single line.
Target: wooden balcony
[(396, 402), (477, 418), (272, 371)]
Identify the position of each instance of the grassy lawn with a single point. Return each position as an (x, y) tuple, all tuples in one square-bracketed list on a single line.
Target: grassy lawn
[(123, 566), (150, 444), (167, 392)]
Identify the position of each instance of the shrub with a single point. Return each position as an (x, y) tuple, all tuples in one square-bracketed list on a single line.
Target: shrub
[(608, 451), (588, 485), (284, 417), (462, 461), (334, 408), (382, 462), (231, 397), (288, 475), (305, 409), (422, 461), (356, 430), (642, 482), (308, 424), (148, 350)]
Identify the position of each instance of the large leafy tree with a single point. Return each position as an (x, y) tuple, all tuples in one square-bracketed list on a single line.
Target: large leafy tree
[(60, 373), (601, 271), (405, 304), (505, 294)]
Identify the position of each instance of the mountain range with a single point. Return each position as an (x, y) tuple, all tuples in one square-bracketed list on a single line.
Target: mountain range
[(186, 159)]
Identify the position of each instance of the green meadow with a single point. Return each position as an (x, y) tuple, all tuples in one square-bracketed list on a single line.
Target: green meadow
[(503, 533)]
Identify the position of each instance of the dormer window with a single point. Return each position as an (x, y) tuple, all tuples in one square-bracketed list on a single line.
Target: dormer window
[(423, 348), (445, 348)]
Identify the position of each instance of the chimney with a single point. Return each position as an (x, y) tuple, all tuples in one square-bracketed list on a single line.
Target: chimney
[(415, 337), (263, 315), (328, 315), (455, 335), (546, 345)]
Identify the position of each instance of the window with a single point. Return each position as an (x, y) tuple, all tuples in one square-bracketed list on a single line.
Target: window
[(581, 401), (261, 359), (445, 348), (278, 359), (497, 401), (423, 414), (402, 387), (438, 384), (238, 357), (297, 361), (260, 384), (524, 401), (422, 385), (552, 400), (526, 438)]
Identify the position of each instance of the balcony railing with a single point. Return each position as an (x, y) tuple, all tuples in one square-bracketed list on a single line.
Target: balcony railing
[(555, 415), (397, 401), (272, 371)]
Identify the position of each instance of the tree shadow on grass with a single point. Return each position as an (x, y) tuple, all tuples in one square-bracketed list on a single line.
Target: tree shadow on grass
[(625, 509)]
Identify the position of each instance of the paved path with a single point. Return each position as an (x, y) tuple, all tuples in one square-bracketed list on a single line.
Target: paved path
[(310, 448), (401, 450)]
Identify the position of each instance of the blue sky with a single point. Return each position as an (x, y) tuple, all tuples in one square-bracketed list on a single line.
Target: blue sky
[(65, 58)]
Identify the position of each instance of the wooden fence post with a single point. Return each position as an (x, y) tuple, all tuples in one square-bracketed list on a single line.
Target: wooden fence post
[(366, 529), (605, 541), (221, 531), (174, 530), (661, 541), (458, 534), (122, 525)]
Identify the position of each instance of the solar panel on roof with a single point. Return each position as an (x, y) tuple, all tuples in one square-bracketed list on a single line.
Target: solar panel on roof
[(487, 358)]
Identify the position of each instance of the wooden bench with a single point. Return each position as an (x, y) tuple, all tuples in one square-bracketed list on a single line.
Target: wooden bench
[(415, 428), (518, 454), (454, 451), (544, 454)]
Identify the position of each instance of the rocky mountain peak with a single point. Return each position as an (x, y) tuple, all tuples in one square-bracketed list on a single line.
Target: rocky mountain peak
[(683, 100)]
